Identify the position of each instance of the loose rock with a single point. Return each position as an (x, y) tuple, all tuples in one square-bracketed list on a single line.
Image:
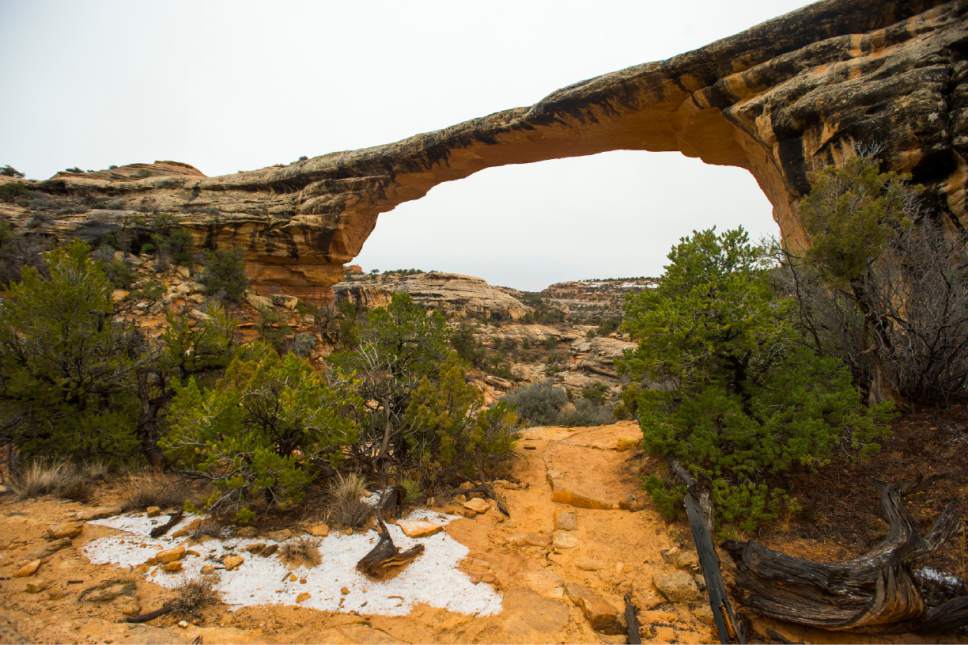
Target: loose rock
[(170, 555), (232, 562), (418, 528), (676, 586), (28, 569), (64, 530), (477, 505), (564, 540), (318, 530), (599, 612), (566, 520)]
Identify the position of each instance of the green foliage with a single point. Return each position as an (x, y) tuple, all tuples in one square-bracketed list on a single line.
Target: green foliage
[(425, 419), (118, 273), (223, 275), (666, 495), (537, 404), (732, 392), (67, 370), (151, 290), (445, 435), (263, 430), (585, 413), (595, 393), (467, 346), (852, 212), (273, 328), (172, 242), (196, 349)]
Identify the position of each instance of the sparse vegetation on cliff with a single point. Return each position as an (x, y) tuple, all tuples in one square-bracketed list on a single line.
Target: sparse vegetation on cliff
[(223, 275), (883, 286)]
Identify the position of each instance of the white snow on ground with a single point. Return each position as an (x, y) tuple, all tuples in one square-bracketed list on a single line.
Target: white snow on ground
[(433, 578)]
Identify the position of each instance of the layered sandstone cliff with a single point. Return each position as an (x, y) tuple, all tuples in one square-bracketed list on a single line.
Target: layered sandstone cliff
[(778, 99)]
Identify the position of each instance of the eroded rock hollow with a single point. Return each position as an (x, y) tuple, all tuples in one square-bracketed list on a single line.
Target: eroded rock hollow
[(778, 99)]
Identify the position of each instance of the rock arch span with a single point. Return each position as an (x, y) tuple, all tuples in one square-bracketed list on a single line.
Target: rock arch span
[(778, 100)]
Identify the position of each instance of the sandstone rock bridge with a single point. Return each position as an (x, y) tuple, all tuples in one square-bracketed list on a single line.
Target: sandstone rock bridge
[(778, 99)]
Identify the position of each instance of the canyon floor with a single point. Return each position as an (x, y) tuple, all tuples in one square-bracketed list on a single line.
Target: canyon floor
[(579, 538)]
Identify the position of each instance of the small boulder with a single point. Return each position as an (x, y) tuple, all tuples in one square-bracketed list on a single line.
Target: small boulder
[(152, 511), (676, 586), (28, 569), (318, 530), (564, 540), (172, 567), (566, 520), (303, 597), (477, 505), (418, 528), (232, 562), (279, 536), (589, 564), (64, 530), (170, 555), (599, 612)]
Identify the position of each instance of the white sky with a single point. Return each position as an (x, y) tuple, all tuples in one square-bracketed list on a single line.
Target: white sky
[(236, 85)]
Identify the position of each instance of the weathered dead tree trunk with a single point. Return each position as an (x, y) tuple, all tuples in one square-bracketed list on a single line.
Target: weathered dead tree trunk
[(385, 559), (874, 592), (699, 512)]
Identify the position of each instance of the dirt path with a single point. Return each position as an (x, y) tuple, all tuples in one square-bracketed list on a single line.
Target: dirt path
[(579, 538)]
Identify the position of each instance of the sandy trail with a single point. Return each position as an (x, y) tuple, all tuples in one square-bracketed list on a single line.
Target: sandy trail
[(541, 574)]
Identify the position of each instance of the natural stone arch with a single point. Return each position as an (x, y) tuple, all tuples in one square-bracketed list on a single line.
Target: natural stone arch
[(778, 100)]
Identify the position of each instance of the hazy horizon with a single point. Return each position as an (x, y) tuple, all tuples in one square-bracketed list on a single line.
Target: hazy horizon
[(228, 86)]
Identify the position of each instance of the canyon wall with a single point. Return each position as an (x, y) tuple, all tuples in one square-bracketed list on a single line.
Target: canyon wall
[(778, 99)]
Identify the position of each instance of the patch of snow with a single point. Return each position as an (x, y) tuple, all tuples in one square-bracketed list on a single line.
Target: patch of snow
[(433, 578)]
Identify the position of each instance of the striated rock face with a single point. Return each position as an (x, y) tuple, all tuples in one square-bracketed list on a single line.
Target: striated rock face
[(451, 293), (778, 99)]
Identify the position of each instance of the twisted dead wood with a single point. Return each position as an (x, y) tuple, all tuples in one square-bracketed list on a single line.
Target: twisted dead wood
[(874, 592)]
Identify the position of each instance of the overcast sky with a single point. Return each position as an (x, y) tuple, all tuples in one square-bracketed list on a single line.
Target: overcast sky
[(235, 85)]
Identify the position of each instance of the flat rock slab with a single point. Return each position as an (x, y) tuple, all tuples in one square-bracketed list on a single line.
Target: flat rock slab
[(584, 469)]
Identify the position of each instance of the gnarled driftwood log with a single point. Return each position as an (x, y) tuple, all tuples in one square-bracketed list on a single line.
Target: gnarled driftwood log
[(385, 558), (874, 592)]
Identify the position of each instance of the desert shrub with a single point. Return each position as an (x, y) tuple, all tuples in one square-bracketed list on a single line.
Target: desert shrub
[(202, 348), (9, 171), (223, 275), (467, 346), (172, 243), (191, 597), (743, 400), (608, 326), (595, 392), (346, 505), (153, 489), (538, 403), (301, 551), (413, 491), (666, 495), (585, 412), (425, 417), (67, 369), (118, 273), (263, 430), (150, 290), (273, 329), (882, 285), (446, 435)]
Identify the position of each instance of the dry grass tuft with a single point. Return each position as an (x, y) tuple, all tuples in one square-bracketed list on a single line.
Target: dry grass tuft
[(151, 489), (192, 597), (347, 508), (58, 478), (304, 550)]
